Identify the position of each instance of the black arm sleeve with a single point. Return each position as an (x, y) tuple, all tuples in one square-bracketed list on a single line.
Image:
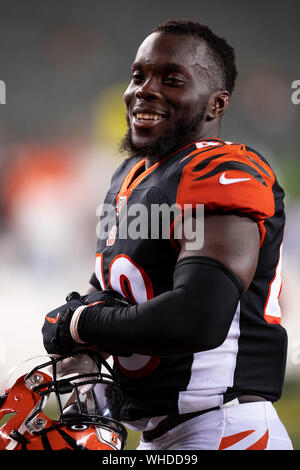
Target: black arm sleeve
[(195, 316)]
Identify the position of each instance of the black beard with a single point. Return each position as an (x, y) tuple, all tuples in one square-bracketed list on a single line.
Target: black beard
[(168, 143)]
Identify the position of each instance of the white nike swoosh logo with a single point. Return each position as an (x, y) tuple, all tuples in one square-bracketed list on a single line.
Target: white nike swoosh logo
[(224, 180)]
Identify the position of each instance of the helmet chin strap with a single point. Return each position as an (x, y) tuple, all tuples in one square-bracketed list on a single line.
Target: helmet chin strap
[(19, 438), (16, 435)]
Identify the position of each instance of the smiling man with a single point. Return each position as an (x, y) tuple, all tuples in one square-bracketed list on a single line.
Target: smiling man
[(195, 333), (177, 94)]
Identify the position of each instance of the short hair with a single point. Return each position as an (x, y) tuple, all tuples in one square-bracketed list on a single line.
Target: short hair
[(221, 54)]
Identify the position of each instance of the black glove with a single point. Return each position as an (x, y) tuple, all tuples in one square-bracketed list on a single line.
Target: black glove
[(57, 338)]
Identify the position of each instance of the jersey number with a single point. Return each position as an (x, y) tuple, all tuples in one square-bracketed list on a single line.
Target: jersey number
[(131, 281)]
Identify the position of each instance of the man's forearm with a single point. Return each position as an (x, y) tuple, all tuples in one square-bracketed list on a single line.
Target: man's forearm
[(196, 315)]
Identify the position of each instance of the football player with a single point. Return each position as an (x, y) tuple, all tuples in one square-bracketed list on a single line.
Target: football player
[(195, 331)]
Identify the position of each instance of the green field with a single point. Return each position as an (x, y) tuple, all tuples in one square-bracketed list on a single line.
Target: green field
[(288, 408)]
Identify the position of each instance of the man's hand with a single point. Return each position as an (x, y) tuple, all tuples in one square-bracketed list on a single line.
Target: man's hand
[(56, 332)]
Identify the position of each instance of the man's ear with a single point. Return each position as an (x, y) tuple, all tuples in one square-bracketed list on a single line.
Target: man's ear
[(217, 105)]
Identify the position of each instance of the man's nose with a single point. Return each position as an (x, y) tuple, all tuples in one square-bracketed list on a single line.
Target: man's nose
[(148, 90)]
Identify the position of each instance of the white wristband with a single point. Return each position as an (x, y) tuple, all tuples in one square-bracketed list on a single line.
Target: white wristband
[(74, 324)]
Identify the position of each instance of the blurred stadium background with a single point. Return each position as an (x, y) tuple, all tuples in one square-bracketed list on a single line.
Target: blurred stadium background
[(66, 65)]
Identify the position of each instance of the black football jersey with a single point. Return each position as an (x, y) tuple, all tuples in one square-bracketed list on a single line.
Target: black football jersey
[(227, 178)]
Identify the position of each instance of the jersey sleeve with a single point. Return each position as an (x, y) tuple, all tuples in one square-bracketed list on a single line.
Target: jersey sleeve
[(229, 179)]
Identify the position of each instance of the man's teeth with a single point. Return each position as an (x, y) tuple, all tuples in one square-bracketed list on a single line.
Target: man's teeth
[(156, 117)]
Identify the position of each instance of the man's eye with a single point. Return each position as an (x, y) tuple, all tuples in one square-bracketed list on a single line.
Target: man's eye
[(173, 81), (137, 77)]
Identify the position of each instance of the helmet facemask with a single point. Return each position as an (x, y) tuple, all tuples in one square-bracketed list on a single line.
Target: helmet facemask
[(85, 394)]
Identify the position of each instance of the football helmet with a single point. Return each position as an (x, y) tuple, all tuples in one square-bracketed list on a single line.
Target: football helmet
[(62, 403)]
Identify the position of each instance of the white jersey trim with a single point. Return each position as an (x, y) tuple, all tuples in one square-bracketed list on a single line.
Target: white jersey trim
[(212, 372)]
